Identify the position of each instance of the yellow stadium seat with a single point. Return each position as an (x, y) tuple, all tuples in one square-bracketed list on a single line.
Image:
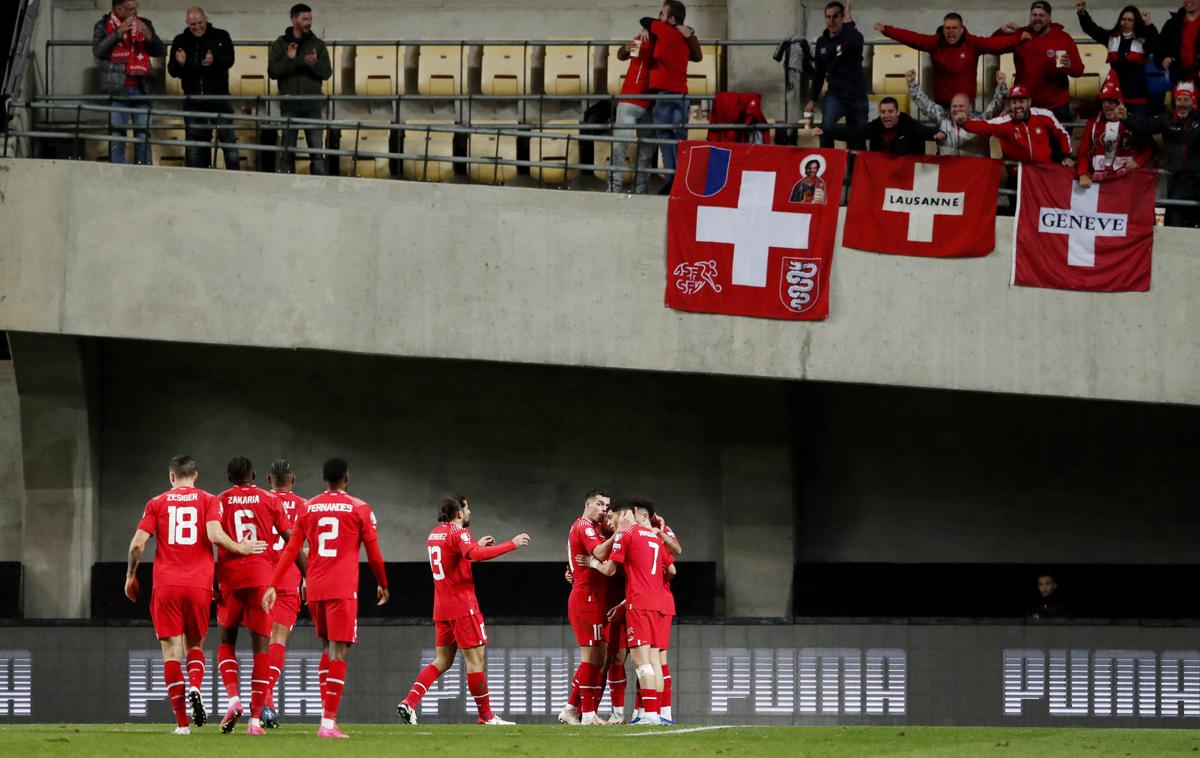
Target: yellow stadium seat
[(418, 141), (248, 77), (366, 141), (505, 70), (702, 76), (616, 70), (602, 156), (166, 155), (1095, 68), (441, 70), (555, 150), (492, 146), (379, 70), (568, 70), (888, 64)]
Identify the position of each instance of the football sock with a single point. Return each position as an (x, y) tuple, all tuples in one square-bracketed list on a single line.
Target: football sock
[(650, 701), (277, 653), (173, 676), (335, 682), (573, 698), (477, 684), (323, 674), (425, 680), (195, 668), (664, 704), (227, 664), (616, 687), (588, 678), (259, 681)]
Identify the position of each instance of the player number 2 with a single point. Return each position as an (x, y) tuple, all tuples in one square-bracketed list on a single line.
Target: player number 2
[(654, 566), (324, 537), (243, 524), (435, 562), (182, 524)]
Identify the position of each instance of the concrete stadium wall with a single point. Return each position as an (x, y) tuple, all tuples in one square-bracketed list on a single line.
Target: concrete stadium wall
[(538, 276), (12, 487)]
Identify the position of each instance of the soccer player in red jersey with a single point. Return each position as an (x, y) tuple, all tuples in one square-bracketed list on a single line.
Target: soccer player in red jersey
[(614, 635), (287, 602), (456, 615), (586, 609), (186, 524), (248, 512), (336, 527), (671, 542)]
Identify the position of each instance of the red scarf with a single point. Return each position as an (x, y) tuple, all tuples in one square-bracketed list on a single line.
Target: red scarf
[(130, 50)]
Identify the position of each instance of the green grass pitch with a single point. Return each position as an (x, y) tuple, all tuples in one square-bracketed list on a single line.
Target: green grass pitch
[(377, 741)]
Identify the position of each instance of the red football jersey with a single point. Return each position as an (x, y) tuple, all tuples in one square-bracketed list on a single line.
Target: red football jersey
[(453, 584), (645, 558), (178, 521), (587, 584), (289, 502), (247, 513), (336, 526)]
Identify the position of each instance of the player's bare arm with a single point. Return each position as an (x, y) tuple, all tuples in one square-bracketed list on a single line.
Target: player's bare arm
[(671, 541), (613, 611), (604, 549), (608, 568), (137, 546)]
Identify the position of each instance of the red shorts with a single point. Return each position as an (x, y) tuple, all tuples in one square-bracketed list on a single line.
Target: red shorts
[(465, 631), (587, 621), (180, 610), (335, 620), (614, 633), (287, 609), (651, 628), (243, 607)]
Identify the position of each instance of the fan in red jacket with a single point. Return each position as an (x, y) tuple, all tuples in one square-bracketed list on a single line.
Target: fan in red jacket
[(1108, 148), (1045, 60), (955, 53), (1026, 134)]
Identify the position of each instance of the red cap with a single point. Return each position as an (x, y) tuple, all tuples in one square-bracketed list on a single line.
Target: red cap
[(1185, 88), (1018, 90), (1112, 88)]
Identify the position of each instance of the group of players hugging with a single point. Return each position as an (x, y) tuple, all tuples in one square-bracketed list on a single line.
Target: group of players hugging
[(276, 550)]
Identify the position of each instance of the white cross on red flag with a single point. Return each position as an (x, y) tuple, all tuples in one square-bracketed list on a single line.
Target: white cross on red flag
[(751, 229), (936, 206), (1098, 239)]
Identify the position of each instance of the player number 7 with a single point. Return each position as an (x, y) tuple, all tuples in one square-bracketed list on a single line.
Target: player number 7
[(654, 566)]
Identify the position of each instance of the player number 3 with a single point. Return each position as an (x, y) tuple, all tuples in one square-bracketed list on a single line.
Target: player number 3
[(435, 563)]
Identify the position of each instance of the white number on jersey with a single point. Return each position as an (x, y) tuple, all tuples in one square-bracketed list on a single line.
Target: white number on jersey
[(654, 566), (435, 563), (244, 526), (181, 524), (323, 538)]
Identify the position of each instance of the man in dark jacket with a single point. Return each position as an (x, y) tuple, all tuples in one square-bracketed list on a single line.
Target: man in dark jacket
[(201, 58), (838, 59), (124, 43), (893, 132), (1179, 43), (299, 62), (1180, 132)]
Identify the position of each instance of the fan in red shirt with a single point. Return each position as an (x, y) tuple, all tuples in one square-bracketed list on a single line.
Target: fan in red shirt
[(586, 611), (186, 524), (336, 527), (287, 603), (675, 45), (456, 615), (1045, 60), (646, 560), (247, 512), (1108, 148)]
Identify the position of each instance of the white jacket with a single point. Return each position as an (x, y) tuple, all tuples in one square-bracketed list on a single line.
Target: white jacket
[(958, 140)]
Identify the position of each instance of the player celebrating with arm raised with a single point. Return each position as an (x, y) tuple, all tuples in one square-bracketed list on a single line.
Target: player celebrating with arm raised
[(186, 523), (336, 527), (586, 609), (456, 612)]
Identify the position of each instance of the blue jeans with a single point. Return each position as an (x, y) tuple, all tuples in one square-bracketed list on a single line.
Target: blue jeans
[(200, 129), (670, 112), (628, 113), (119, 122), (833, 109)]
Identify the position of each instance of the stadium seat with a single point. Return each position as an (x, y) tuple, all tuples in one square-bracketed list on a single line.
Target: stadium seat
[(505, 70), (553, 150), (484, 145), (616, 70), (1095, 68), (428, 143), (441, 70), (166, 155), (568, 70), (366, 141), (379, 70), (702, 76), (888, 64), (248, 77), (602, 156)]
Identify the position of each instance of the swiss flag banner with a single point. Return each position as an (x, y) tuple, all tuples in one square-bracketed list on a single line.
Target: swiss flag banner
[(750, 229), (1071, 238), (936, 206)]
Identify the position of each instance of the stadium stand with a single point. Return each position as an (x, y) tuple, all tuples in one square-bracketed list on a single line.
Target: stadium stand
[(378, 69), (505, 70), (568, 69), (441, 70)]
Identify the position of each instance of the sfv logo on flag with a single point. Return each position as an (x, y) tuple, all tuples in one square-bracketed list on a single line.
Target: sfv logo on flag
[(923, 203)]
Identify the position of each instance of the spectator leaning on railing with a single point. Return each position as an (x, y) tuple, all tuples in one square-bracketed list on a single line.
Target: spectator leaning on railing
[(299, 62), (958, 141), (1108, 149), (1180, 132), (1129, 45), (1045, 61), (893, 132), (954, 52), (1179, 43), (675, 45), (200, 58), (838, 61), (639, 51), (124, 43)]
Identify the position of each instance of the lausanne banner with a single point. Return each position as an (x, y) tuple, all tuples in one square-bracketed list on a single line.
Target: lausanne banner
[(1097, 239), (935, 206), (751, 229)]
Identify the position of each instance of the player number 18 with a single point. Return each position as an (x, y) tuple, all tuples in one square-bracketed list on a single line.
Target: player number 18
[(181, 526)]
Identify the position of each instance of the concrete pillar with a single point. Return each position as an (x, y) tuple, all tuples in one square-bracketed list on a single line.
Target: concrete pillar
[(12, 488), (60, 468), (752, 68), (758, 499)]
